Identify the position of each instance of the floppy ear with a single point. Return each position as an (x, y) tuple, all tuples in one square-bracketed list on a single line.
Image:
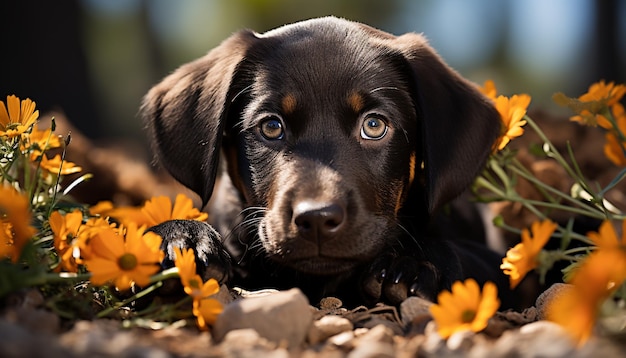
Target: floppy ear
[(185, 114), (459, 124)]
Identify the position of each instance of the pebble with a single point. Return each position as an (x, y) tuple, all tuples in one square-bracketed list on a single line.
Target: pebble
[(328, 326), (282, 317)]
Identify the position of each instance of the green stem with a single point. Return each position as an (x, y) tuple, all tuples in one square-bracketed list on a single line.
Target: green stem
[(584, 209), (48, 278), (137, 296)]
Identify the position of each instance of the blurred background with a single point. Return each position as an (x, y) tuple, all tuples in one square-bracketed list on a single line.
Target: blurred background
[(95, 59)]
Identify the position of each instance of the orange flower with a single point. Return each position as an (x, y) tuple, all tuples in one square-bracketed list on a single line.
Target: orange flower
[(614, 150), (71, 237), (185, 261), (512, 111), (522, 258), (18, 119), (66, 235), (465, 308), (591, 107), (606, 238), (206, 312), (40, 141), (599, 275), (56, 166), (15, 219), (607, 93), (489, 89), (128, 259), (158, 210), (205, 309)]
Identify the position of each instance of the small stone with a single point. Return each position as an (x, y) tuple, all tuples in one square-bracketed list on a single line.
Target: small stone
[(414, 307), (372, 350), (328, 326), (248, 343), (343, 340), (379, 333), (537, 339), (460, 341), (283, 317)]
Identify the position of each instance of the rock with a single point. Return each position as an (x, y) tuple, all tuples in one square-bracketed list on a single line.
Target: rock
[(414, 308), (380, 333), (248, 343), (328, 326), (373, 350), (537, 339), (460, 341), (415, 313), (547, 296), (343, 340), (283, 317)]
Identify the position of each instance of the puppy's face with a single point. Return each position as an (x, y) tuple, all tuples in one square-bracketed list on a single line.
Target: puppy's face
[(335, 134), (323, 137)]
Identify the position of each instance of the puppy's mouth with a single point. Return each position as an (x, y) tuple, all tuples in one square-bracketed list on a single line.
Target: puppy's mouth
[(322, 265)]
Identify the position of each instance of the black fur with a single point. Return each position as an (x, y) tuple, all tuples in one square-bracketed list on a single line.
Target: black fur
[(323, 206)]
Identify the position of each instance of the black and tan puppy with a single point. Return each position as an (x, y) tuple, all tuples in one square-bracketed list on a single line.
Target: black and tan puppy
[(325, 146)]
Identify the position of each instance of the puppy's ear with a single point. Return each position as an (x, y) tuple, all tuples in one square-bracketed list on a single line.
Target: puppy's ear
[(185, 114), (459, 124)]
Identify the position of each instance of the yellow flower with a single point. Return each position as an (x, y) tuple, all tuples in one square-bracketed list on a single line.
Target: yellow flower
[(607, 93), (614, 148), (71, 237), (599, 275), (18, 119), (606, 238), (128, 259), (66, 236), (41, 140), (465, 308), (186, 264), (205, 309), (523, 257), (512, 111), (158, 210), (56, 166), (15, 219), (591, 106), (489, 90)]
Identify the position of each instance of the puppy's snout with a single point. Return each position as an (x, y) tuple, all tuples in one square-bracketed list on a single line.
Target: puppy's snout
[(317, 221)]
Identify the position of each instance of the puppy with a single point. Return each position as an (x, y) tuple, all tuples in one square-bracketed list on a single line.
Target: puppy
[(330, 146)]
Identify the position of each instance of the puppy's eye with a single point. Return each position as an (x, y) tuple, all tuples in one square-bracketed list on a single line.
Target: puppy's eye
[(374, 127), (272, 128)]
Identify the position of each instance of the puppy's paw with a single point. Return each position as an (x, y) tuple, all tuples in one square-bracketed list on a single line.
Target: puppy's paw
[(212, 259), (394, 279)]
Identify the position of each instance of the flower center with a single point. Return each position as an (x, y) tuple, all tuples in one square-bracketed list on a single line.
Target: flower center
[(194, 283), (468, 316), (127, 262)]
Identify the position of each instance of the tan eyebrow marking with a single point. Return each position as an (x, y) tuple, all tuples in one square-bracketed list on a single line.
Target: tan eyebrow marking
[(289, 104), (412, 168), (356, 102)]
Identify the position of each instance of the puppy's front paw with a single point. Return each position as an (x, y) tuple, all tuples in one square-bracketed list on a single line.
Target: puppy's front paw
[(393, 279), (212, 259)]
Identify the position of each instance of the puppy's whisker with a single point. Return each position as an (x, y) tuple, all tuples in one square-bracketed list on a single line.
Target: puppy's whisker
[(384, 89), (246, 89), (408, 233)]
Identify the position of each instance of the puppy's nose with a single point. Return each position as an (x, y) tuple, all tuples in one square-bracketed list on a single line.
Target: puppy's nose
[(319, 221)]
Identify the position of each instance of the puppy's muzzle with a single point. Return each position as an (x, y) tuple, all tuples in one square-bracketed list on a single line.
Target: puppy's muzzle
[(319, 221)]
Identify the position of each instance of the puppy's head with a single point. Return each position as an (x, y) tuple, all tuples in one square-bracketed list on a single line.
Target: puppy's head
[(333, 127)]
